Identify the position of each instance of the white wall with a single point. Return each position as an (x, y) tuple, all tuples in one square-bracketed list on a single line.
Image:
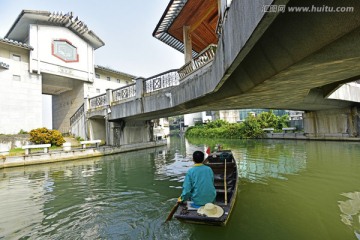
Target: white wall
[(42, 60), (99, 86), (21, 99), (206, 118), (79, 127), (231, 116), (47, 111), (65, 105), (97, 129), (347, 92), (189, 118)]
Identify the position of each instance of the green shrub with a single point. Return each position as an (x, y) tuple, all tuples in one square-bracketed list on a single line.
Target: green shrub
[(250, 128), (79, 139), (23, 131), (45, 136), (270, 120)]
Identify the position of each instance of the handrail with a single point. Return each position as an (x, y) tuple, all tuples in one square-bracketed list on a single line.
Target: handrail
[(79, 112), (124, 92), (157, 82), (98, 101), (200, 60), (162, 80)]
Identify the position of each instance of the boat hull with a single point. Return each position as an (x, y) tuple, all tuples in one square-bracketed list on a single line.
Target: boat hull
[(216, 161)]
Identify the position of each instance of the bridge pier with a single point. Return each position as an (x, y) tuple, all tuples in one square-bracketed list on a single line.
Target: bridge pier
[(97, 129), (334, 123), (130, 132)]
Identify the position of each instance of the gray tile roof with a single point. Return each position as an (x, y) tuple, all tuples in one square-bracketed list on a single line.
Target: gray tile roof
[(114, 71), (16, 43), (68, 20)]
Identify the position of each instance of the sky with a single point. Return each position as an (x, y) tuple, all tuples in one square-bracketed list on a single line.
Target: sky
[(125, 26)]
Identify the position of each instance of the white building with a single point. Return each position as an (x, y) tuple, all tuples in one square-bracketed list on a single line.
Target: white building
[(51, 54)]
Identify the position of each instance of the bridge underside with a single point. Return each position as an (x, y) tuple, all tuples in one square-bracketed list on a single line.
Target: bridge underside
[(283, 61), (298, 61)]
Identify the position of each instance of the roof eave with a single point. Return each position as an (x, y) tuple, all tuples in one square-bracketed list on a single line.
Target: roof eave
[(164, 35), (114, 71), (16, 44), (64, 20)]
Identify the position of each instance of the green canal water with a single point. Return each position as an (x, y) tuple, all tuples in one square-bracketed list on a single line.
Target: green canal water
[(287, 190)]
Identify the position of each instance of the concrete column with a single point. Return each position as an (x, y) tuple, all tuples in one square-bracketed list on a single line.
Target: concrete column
[(187, 44), (136, 132), (354, 122), (86, 120), (332, 123), (109, 96), (86, 105), (139, 87), (110, 134), (108, 128)]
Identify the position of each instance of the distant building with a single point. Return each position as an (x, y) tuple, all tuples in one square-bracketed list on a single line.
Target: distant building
[(231, 116)]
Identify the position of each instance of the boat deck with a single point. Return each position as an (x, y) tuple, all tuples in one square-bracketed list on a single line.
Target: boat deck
[(217, 163)]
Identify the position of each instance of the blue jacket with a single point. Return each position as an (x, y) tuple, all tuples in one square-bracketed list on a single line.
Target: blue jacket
[(199, 185)]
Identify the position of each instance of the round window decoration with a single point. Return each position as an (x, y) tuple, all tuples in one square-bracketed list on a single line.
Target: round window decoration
[(64, 50)]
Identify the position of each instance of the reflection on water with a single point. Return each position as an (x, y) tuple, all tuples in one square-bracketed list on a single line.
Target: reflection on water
[(267, 161), (350, 210), (287, 190)]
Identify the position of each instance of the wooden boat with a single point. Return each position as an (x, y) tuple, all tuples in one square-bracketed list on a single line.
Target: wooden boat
[(224, 199)]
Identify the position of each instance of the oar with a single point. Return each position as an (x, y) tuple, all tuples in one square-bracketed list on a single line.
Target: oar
[(173, 210), (225, 183)]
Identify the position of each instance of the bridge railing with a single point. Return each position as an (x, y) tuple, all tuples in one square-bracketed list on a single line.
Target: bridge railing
[(160, 81), (204, 57), (76, 116), (124, 92), (152, 84), (98, 101)]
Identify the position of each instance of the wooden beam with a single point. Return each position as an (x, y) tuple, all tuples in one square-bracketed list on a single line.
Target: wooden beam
[(207, 13), (187, 44)]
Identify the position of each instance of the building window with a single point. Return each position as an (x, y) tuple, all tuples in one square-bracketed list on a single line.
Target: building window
[(16, 57), (64, 50), (108, 78), (118, 80), (208, 113), (97, 75), (16, 77), (97, 90)]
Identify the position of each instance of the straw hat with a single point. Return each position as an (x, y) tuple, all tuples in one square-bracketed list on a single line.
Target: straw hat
[(211, 210)]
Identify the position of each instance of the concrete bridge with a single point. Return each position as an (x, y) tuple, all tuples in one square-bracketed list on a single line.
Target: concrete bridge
[(275, 60)]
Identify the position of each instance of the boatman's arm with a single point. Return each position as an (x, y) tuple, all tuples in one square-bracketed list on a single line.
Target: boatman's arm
[(187, 186)]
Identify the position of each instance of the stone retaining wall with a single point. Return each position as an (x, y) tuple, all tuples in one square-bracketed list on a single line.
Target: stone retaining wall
[(13, 141), (57, 156)]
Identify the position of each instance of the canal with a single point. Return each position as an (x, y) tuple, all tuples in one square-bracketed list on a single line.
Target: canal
[(287, 190)]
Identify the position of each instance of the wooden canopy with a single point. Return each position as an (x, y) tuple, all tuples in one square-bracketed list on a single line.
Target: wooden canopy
[(201, 16)]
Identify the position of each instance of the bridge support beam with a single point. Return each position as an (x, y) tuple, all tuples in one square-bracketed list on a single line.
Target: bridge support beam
[(130, 132), (334, 123)]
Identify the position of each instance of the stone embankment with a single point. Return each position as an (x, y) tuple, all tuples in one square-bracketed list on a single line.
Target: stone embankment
[(74, 154), (302, 136)]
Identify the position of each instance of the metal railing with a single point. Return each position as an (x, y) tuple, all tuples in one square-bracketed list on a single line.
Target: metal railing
[(98, 101), (124, 92), (163, 80), (77, 115), (160, 81), (200, 60)]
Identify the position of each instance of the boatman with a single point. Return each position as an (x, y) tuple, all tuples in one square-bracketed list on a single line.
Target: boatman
[(198, 185)]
